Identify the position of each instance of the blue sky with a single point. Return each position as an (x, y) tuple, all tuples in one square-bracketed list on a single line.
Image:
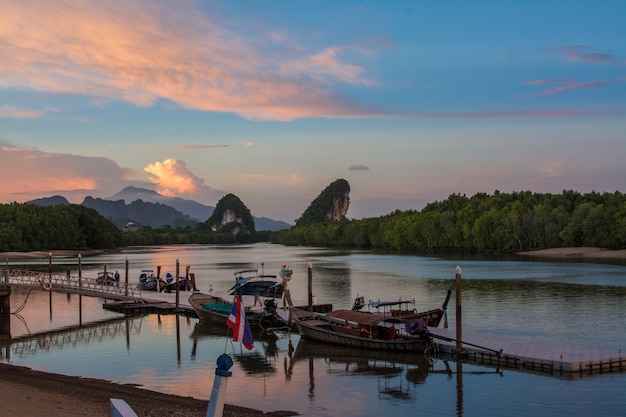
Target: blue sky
[(409, 101)]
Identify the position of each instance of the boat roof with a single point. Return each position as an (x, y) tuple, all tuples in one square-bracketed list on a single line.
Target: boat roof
[(356, 316), (378, 304)]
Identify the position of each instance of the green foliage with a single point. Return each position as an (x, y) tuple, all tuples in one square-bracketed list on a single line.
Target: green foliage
[(29, 227), (231, 216), (498, 222), (320, 208)]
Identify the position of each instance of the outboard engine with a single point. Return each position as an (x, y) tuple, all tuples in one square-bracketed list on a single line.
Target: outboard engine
[(359, 303), (416, 327), (270, 306)]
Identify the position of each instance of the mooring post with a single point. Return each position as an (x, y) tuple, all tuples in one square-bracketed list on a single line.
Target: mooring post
[(50, 269), (220, 382), (310, 287), (177, 280), (459, 322), (5, 309), (126, 278), (80, 272)]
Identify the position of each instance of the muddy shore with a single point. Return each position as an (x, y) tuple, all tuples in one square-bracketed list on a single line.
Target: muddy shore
[(29, 393)]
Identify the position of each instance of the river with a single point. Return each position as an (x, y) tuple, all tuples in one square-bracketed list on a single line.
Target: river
[(574, 302)]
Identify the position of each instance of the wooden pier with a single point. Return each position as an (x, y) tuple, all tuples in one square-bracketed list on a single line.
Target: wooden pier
[(535, 355)]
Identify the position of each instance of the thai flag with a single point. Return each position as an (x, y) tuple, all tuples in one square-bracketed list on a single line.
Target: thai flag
[(238, 322)]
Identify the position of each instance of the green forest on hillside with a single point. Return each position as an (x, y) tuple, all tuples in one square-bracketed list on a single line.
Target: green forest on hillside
[(28, 227), (481, 223), (498, 222)]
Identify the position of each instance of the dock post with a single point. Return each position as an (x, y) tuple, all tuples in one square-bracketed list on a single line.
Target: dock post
[(220, 382), (177, 281), (310, 287), (459, 322), (50, 269), (126, 279), (5, 309), (80, 272)]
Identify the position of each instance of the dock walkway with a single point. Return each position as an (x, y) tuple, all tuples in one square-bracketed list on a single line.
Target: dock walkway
[(536, 355)]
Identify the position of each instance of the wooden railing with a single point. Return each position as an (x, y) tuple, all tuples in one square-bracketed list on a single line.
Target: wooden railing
[(71, 284)]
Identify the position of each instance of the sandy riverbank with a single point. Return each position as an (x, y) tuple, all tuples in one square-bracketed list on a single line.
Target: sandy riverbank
[(577, 253), (28, 393)]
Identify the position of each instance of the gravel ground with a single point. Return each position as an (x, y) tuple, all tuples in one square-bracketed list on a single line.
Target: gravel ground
[(28, 393)]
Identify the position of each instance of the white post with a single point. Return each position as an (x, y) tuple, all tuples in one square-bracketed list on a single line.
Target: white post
[(220, 382)]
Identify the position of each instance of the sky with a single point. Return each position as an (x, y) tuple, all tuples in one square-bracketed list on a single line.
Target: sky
[(408, 101)]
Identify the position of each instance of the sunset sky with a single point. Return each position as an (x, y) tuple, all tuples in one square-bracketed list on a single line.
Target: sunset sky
[(409, 101)]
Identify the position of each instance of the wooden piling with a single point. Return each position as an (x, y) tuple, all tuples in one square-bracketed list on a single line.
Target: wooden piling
[(310, 292), (459, 323), (177, 280), (5, 309)]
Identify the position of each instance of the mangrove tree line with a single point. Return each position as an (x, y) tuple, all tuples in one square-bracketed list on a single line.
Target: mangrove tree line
[(498, 222)]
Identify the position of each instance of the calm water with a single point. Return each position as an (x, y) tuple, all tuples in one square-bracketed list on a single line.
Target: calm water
[(573, 302)]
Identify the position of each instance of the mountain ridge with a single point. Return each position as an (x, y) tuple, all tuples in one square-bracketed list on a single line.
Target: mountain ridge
[(154, 209)]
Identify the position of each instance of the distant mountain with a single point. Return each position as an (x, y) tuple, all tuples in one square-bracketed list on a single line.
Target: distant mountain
[(233, 217), (139, 212), (193, 209), (146, 207), (330, 206), (55, 200)]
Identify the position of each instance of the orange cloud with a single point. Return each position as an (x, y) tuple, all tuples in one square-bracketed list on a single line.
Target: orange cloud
[(29, 173), (142, 52), (173, 177)]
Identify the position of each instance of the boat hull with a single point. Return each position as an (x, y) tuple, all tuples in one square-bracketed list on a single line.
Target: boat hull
[(216, 310), (320, 330)]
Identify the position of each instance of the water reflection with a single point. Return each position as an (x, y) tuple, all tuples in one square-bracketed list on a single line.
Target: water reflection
[(579, 303), (396, 373), (253, 362)]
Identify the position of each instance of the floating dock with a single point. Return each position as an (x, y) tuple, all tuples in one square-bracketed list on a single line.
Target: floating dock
[(535, 355), (165, 303)]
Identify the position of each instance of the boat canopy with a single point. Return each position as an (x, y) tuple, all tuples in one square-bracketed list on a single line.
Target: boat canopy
[(378, 304), (356, 317)]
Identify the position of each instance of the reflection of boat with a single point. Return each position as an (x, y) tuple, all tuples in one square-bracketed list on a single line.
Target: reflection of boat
[(150, 282), (311, 349), (216, 309), (252, 362), (184, 283), (368, 330), (249, 282), (402, 311), (385, 365)]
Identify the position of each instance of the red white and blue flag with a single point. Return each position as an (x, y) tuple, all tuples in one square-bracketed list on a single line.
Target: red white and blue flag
[(238, 322)]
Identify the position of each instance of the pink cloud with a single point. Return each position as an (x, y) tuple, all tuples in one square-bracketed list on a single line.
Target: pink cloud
[(519, 114), (579, 86), (550, 81), (143, 51), (18, 113), (30, 173), (582, 53)]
